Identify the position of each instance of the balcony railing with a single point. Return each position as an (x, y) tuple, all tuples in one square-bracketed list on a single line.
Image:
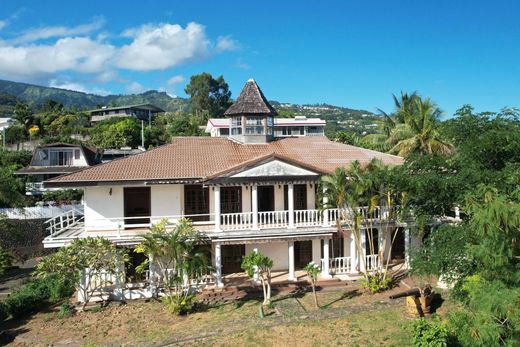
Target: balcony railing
[(206, 222)]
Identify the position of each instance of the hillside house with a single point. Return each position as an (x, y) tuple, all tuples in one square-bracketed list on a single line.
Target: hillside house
[(144, 112), (55, 159), (282, 127), (249, 191)]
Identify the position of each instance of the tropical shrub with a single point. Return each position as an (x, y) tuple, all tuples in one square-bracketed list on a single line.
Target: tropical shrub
[(313, 270), (257, 263), (65, 310), (375, 283), (430, 333), (179, 304), (6, 260), (4, 311)]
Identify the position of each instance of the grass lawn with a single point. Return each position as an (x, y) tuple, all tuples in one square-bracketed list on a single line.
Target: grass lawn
[(346, 318)]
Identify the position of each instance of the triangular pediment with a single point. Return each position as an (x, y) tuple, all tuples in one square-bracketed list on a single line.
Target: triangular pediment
[(274, 168)]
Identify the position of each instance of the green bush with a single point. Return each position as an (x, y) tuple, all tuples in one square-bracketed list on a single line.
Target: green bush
[(4, 311), (6, 260), (28, 298), (65, 310), (36, 294), (430, 333), (376, 283), (179, 304)]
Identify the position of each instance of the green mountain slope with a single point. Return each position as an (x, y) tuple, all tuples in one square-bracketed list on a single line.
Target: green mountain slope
[(338, 118)]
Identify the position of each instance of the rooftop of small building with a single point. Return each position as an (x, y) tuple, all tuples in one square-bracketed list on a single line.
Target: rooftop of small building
[(124, 107)]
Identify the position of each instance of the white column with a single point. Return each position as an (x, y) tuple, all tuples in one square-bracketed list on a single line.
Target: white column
[(217, 207), (218, 265), (292, 277), (363, 255), (325, 270), (354, 257), (290, 198), (325, 212), (254, 203), (407, 246)]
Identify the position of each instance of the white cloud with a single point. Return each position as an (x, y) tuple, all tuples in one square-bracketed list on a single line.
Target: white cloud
[(175, 80), (226, 43), (79, 54), (3, 24), (134, 88), (36, 34), (71, 85), (242, 65), (163, 46)]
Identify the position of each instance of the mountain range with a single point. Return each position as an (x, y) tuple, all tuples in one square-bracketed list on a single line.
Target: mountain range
[(338, 118)]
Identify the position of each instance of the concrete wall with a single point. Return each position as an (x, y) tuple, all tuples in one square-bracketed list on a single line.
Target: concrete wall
[(167, 200), (277, 251), (100, 204), (278, 197)]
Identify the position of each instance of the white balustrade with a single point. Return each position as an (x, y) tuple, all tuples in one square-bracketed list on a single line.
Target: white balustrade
[(236, 221), (372, 262), (308, 217), (339, 265), (273, 219)]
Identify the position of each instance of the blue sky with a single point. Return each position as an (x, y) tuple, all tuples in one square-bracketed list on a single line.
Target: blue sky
[(349, 53)]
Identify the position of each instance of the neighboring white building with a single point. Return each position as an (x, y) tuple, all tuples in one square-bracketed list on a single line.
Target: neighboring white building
[(282, 127), (55, 159), (247, 192), (144, 112)]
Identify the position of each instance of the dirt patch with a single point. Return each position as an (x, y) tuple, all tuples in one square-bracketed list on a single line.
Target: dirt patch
[(345, 316)]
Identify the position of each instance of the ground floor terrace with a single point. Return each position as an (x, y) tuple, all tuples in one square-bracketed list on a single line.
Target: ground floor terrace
[(335, 253)]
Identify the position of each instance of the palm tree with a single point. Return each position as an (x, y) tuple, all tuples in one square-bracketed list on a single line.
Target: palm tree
[(417, 128), (175, 253)]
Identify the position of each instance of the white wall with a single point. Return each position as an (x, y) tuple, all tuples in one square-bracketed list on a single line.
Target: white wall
[(277, 251), (82, 161), (311, 197), (278, 197), (246, 199), (167, 200), (99, 204)]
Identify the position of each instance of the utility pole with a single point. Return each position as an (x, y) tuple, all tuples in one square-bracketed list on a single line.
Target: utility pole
[(142, 134)]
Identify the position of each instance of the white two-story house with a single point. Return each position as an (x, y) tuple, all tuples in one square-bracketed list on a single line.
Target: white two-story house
[(55, 159), (247, 192)]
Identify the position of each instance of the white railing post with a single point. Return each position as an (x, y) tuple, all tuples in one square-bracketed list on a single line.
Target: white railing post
[(218, 265), (291, 276), (290, 198), (325, 269), (254, 203), (217, 208), (325, 211)]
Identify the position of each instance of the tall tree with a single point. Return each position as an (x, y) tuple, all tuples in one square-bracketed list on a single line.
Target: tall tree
[(417, 127), (23, 114), (209, 97)]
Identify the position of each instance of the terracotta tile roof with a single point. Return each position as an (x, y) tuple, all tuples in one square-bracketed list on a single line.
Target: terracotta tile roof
[(251, 101), (203, 157)]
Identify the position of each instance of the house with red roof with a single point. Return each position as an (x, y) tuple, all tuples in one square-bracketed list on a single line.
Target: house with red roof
[(248, 191)]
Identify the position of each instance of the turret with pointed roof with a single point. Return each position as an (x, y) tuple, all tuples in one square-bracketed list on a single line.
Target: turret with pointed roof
[(251, 116), (251, 101)]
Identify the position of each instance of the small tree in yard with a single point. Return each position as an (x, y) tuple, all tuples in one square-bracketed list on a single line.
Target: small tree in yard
[(178, 260), (86, 258), (256, 262), (313, 270)]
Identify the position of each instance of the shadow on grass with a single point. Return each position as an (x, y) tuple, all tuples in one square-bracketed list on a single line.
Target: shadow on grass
[(436, 302), (346, 295)]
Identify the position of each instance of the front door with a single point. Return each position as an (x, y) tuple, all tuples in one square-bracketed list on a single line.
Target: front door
[(265, 198), (137, 204), (302, 253), (232, 258)]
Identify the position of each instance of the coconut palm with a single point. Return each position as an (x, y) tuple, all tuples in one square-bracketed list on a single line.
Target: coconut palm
[(419, 131)]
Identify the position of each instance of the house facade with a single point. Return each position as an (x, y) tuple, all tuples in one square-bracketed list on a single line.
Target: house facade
[(282, 127), (143, 112), (247, 192), (55, 159)]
